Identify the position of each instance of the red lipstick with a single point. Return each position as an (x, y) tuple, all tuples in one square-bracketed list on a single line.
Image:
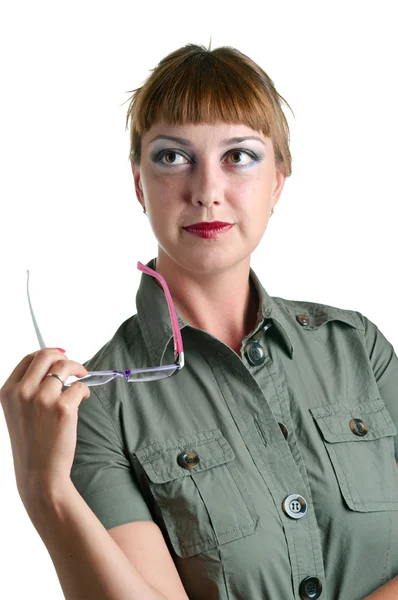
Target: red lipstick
[(209, 230)]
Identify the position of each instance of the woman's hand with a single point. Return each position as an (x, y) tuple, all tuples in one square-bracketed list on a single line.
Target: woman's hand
[(42, 421)]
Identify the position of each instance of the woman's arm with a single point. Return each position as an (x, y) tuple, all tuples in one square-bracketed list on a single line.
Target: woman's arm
[(89, 563), (388, 591)]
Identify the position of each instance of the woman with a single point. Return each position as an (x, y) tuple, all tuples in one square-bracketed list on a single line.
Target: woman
[(264, 469)]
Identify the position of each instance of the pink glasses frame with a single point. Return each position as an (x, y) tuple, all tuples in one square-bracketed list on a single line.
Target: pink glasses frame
[(178, 347)]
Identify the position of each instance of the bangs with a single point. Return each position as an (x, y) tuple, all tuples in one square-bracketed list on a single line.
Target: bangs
[(195, 85)]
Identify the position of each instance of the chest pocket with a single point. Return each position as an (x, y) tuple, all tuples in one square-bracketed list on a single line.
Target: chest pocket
[(360, 442), (204, 505)]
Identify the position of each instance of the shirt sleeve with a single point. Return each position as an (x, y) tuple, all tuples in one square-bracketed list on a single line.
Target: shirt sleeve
[(101, 471), (384, 363)]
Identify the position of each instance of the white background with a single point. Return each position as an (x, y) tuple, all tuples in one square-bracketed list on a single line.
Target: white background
[(70, 215)]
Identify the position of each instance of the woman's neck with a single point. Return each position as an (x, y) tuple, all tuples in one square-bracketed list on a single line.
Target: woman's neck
[(224, 304)]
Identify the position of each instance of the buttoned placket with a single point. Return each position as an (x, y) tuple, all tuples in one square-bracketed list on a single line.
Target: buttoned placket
[(274, 449)]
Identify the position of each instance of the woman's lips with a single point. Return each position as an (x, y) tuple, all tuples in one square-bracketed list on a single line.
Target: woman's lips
[(208, 232)]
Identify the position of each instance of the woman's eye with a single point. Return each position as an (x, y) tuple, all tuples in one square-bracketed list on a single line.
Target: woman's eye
[(235, 154), (172, 153)]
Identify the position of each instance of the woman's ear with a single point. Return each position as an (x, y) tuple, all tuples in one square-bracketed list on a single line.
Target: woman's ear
[(137, 182)]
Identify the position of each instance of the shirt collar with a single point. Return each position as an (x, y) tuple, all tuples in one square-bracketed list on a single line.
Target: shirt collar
[(154, 320)]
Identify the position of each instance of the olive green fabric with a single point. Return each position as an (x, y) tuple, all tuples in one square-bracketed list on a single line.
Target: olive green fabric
[(224, 519)]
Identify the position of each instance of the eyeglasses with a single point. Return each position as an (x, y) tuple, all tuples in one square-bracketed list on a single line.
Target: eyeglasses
[(132, 375)]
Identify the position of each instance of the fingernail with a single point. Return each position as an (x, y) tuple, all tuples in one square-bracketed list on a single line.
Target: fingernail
[(60, 349)]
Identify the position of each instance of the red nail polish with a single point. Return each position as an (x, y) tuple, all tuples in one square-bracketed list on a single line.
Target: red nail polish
[(60, 349)]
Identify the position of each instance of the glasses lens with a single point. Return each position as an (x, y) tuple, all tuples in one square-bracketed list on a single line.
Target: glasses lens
[(90, 379), (151, 375)]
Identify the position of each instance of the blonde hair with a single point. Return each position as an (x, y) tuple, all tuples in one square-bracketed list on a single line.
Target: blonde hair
[(198, 85)]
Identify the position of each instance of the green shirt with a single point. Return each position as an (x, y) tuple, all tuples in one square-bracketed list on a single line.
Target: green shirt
[(290, 490)]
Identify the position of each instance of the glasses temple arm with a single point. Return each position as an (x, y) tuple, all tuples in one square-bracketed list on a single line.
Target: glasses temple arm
[(178, 347), (40, 339)]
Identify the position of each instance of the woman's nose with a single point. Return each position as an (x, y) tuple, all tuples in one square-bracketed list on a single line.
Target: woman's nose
[(207, 183)]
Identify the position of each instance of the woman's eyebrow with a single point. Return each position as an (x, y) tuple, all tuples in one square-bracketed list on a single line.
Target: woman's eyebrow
[(185, 142)]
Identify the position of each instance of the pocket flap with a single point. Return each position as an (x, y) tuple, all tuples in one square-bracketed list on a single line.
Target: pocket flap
[(333, 421), (159, 460)]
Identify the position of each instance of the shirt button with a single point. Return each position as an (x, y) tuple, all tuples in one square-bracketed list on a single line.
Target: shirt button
[(294, 506), (283, 429), (303, 319), (310, 588), (188, 460), (358, 427), (255, 353)]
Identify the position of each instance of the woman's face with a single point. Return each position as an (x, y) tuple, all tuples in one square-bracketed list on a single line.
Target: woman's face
[(207, 178)]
